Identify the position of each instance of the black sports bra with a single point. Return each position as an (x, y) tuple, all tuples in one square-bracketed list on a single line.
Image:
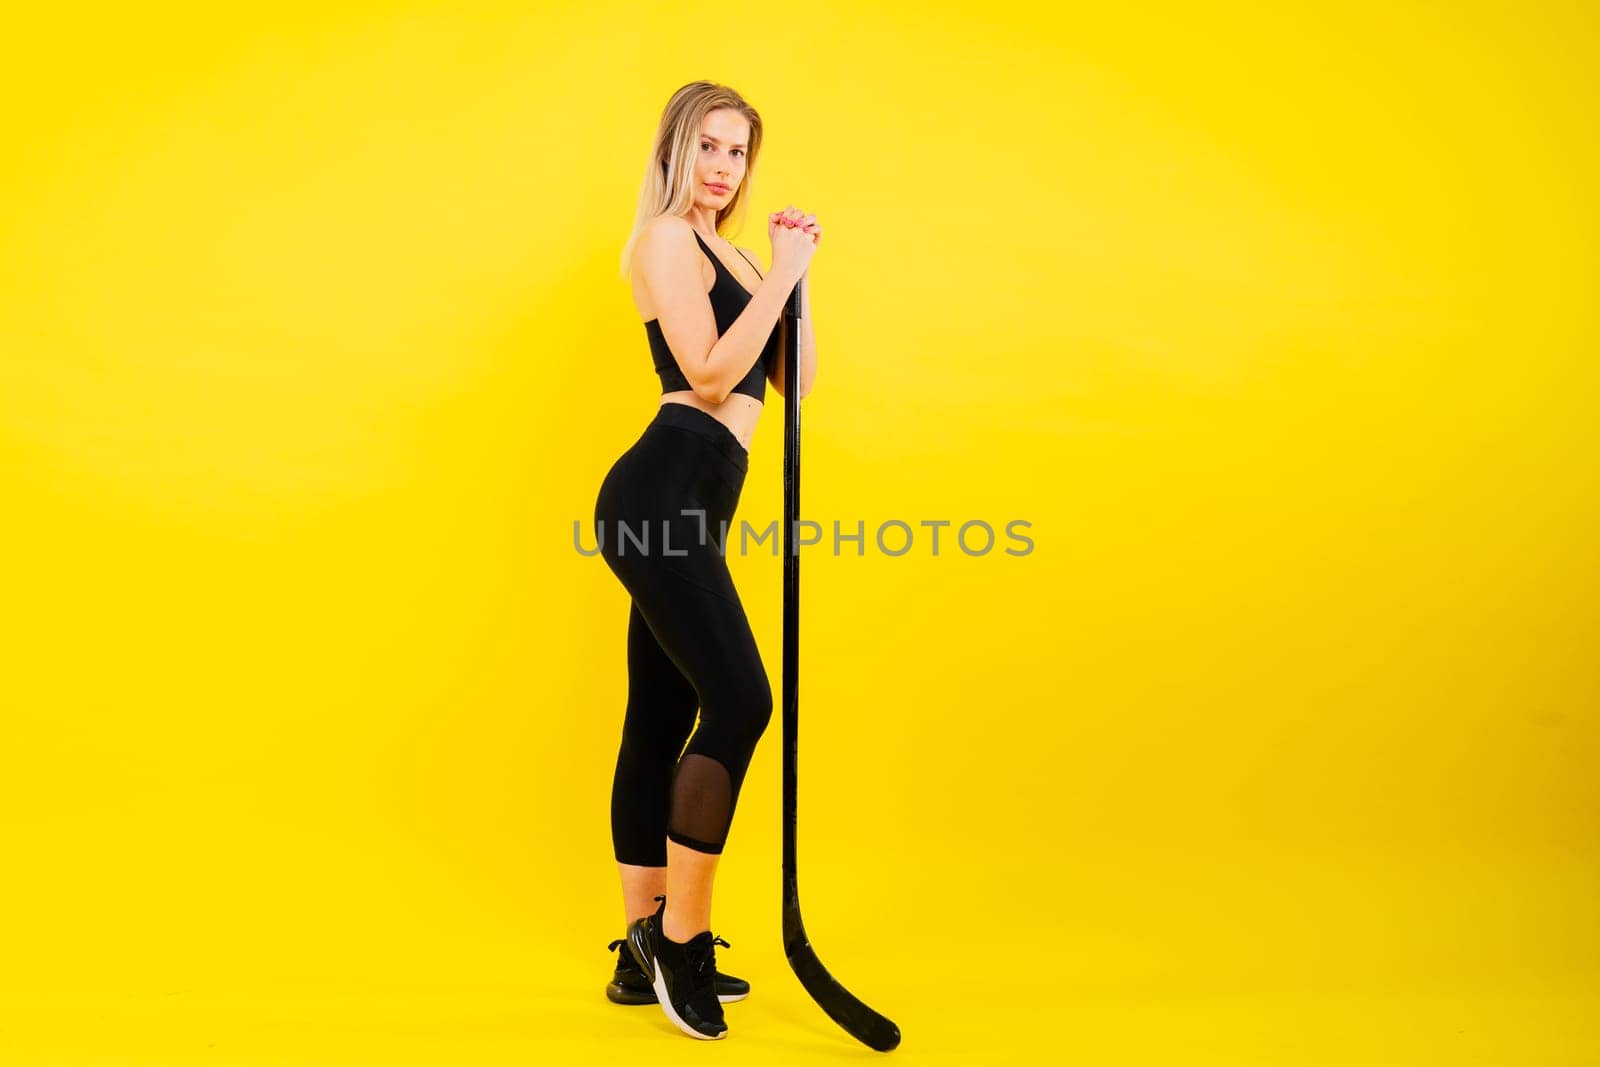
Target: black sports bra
[(728, 299)]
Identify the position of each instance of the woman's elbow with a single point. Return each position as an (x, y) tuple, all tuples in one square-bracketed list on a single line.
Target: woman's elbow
[(712, 392), (777, 385)]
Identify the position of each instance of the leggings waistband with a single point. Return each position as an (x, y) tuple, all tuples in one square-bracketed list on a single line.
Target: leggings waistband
[(707, 426)]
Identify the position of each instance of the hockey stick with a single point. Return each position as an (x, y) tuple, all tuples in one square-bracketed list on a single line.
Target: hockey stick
[(858, 1020)]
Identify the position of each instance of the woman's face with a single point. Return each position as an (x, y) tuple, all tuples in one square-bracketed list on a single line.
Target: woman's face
[(720, 159)]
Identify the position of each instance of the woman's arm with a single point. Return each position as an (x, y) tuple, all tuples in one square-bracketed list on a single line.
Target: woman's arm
[(808, 345), (669, 262)]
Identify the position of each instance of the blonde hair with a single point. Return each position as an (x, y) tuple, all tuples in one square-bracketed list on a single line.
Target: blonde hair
[(669, 176)]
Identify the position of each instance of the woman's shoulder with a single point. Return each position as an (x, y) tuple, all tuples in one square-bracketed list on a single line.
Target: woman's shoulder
[(659, 234), (667, 224)]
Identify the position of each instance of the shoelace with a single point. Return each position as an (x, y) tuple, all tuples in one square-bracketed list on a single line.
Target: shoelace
[(711, 951), (716, 940), (702, 963), (624, 958), (710, 956)]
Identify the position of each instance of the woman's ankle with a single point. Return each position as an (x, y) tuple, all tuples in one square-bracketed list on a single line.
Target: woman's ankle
[(678, 933)]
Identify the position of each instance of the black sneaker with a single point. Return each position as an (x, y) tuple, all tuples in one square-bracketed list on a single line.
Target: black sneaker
[(630, 985), (682, 974)]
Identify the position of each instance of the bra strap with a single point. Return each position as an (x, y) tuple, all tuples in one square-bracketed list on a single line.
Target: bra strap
[(716, 261), (748, 260)]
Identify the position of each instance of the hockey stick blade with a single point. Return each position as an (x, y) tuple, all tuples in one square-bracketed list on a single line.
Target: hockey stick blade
[(843, 1007)]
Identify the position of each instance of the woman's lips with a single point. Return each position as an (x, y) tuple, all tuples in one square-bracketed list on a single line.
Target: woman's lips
[(714, 187)]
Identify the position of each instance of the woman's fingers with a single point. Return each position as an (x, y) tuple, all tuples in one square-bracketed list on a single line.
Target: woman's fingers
[(794, 218)]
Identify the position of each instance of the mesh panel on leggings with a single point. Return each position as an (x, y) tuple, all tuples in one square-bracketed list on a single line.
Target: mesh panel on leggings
[(702, 796)]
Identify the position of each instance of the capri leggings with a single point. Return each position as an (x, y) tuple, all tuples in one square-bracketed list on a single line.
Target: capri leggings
[(662, 518)]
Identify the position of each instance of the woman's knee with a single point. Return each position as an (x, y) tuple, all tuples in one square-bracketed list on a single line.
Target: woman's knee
[(760, 709), (740, 714)]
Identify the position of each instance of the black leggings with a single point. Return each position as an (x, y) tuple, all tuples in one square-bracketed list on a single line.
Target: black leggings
[(689, 642)]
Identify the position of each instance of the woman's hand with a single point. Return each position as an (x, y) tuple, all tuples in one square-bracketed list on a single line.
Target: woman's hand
[(792, 216), (794, 239)]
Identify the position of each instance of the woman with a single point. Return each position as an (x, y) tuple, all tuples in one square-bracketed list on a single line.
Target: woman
[(715, 327)]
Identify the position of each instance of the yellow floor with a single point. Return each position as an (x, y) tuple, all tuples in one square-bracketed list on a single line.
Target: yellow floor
[(956, 1019), (1268, 959)]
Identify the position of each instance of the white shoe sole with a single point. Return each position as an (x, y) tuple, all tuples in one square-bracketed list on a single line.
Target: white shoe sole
[(660, 983)]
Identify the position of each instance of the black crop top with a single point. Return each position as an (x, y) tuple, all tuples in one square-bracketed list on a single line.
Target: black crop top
[(728, 299)]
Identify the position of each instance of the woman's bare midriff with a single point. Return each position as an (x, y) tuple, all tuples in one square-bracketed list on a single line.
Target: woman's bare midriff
[(739, 413)]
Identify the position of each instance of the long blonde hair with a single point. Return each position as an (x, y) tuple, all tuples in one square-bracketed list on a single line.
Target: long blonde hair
[(669, 176)]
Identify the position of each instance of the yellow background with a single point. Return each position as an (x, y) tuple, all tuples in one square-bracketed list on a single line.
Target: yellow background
[(1276, 323)]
